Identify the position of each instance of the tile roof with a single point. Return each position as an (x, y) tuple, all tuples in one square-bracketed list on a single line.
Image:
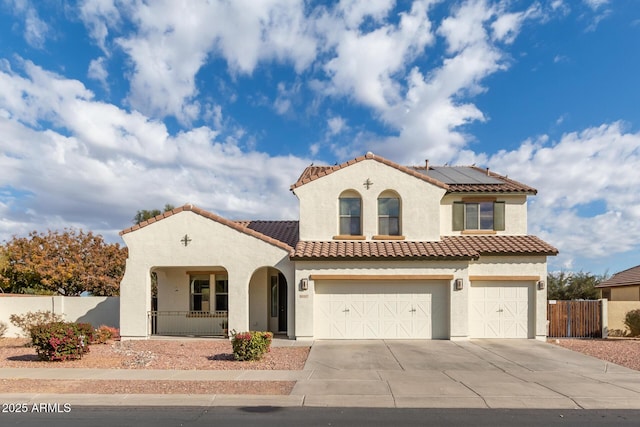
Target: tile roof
[(506, 185), (268, 231), (312, 173), (627, 277), (283, 231), (450, 247)]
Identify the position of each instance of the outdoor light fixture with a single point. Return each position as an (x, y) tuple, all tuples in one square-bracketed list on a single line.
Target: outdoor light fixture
[(458, 284), (304, 284), (540, 285)]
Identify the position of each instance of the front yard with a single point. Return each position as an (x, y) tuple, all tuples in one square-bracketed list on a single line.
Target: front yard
[(621, 351)]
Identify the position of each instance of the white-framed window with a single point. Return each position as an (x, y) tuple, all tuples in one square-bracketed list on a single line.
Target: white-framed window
[(478, 215), (222, 293), (350, 214), (200, 293), (389, 214)]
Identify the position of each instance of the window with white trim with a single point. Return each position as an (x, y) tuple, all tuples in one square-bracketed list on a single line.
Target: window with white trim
[(350, 212), (388, 214)]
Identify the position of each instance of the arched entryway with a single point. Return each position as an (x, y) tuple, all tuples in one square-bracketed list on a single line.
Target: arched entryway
[(268, 295)]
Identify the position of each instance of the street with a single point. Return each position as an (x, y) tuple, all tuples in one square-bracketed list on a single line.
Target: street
[(306, 416)]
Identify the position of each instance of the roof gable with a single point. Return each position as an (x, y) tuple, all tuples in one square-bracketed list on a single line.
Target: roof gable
[(282, 234), (454, 179), (312, 173)]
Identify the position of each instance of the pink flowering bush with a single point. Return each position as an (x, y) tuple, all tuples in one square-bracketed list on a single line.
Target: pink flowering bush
[(60, 340), (250, 345)]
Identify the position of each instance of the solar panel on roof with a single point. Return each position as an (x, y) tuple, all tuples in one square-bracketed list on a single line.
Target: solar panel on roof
[(461, 175)]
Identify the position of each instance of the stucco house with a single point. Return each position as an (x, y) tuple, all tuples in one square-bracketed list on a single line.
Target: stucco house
[(622, 286), (380, 251)]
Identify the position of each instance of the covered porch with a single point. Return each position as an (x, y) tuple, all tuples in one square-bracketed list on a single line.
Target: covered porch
[(209, 301)]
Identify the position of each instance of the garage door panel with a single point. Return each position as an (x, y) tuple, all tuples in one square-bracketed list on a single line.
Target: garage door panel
[(381, 310), (501, 310)]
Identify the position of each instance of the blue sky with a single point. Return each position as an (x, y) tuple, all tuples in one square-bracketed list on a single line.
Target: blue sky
[(109, 106)]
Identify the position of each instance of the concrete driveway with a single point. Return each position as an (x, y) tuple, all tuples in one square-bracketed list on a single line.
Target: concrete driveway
[(463, 374)]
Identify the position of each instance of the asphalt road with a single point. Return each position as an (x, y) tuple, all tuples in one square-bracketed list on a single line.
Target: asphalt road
[(306, 416)]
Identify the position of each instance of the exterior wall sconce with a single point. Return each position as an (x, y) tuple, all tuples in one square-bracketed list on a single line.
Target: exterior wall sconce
[(458, 284), (304, 284), (540, 285)]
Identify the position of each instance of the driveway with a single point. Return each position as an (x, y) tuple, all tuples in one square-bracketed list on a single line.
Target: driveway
[(463, 374)]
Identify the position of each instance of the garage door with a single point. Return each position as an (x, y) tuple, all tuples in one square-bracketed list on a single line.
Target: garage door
[(380, 309), (501, 310)]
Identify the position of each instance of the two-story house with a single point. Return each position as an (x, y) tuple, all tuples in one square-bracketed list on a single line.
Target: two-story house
[(380, 251)]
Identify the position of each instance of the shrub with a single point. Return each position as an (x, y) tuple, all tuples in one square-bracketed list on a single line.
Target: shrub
[(3, 329), (105, 333), (30, 319), (59, 341), (632, 321), (250, 345)]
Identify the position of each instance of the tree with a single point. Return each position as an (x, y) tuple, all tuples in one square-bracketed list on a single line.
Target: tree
[(568, 286), (68, 262), (144, 214)]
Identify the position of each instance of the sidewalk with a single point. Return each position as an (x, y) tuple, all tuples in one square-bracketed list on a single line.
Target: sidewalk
[(391, 375)]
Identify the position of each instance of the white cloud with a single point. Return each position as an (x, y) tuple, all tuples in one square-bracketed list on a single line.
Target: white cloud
[(105, 163), (35, 29), (336, 125), (172, 40), (584, 205), (596, 4), (98, 71)]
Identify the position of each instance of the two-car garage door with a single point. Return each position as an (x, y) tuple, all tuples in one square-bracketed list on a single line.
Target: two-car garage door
[(353, 309)]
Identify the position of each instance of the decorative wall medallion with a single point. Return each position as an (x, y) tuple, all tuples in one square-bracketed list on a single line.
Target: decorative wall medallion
[(185, 240), (368, 183)]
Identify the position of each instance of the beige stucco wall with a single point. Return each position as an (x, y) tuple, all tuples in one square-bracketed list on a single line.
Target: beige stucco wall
[(212, 244), (515, 214), (512, 267), (617, 310), (95, 310), (625, 293), (305, 303), (259, 300), (420, 202)]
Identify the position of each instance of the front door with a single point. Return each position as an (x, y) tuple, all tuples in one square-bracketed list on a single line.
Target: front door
[(282, 303), (278, 298)]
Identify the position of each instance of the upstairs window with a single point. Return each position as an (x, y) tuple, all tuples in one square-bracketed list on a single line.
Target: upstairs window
[(388, 214), (350, 214), (478, 215)]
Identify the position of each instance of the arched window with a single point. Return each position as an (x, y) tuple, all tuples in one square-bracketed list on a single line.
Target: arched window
[(389, 214), (350, 213)]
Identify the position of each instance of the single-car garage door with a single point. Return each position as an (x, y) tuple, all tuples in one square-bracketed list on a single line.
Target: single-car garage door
[(502, 310), (381, 309)]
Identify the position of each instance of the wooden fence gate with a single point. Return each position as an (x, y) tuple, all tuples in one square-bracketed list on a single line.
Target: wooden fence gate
[(575, 319)]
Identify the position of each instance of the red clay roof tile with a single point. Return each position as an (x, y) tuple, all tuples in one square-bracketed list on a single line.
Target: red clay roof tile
[(450, 247), (246, 227), (508, 185)]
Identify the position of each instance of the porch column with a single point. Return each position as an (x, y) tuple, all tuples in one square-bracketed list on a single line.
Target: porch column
[(238, 300), (135, 301)]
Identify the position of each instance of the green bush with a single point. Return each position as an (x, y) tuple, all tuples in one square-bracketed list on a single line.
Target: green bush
[(60, 341), (33, 318), (632, 321), (250, 345), (3, 329)]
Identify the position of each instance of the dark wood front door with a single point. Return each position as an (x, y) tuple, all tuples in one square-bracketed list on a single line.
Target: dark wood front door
[(282, 303)]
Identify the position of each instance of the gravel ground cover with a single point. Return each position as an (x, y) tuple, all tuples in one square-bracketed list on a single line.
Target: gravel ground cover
[(152, 354), (621, 351), (214, 354)]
